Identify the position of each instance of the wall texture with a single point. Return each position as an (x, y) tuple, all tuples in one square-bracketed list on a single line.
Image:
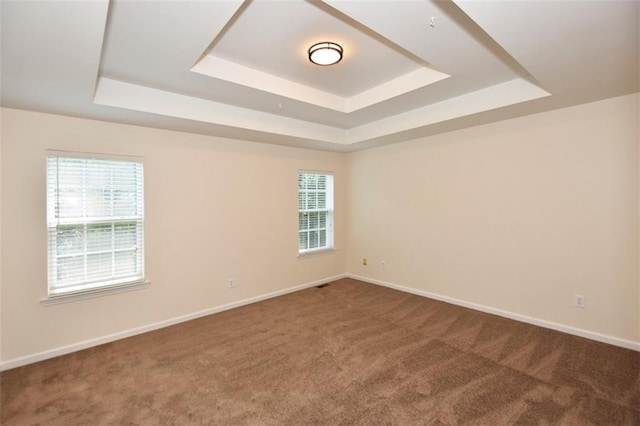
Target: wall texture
[(1, 114), (215, 209), (518, 216)]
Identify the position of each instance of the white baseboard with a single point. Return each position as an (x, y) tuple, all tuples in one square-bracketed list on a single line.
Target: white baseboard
[(41, 356), (52, 353), (628, 344)]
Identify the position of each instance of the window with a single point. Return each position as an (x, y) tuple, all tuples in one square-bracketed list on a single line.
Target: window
[(315, 211), (95, 221)]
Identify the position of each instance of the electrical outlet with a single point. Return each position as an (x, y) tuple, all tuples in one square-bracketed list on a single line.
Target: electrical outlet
[(383, 264), (231, 283), (364, 261), (579, 301)]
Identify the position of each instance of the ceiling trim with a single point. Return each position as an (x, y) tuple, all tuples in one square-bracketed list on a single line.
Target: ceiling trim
[(114, 93), (501, 95), (216, 67), (501, 67), (120, 94)]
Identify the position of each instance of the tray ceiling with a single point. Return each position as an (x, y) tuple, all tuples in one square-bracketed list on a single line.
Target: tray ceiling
[(240, 69)]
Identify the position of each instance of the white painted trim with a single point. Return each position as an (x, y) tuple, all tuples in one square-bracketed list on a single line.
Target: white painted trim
[(98, 292), (133, 97), (316, 252), (216, 67), (628, 344), (120, 94), (52, 353)]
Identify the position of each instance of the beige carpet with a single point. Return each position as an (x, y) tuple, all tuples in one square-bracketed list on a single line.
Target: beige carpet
[(348, 353)]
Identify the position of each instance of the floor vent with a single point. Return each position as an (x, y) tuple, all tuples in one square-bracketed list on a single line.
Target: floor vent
[(322, 285)]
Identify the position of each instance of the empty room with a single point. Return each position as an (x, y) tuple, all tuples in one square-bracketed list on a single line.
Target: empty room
[(257, 212)]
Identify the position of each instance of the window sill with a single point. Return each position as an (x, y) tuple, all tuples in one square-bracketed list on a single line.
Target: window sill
[(72, 297), (318, 252)]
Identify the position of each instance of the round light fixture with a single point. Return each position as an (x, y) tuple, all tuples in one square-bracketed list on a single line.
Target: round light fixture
[(325, 53)]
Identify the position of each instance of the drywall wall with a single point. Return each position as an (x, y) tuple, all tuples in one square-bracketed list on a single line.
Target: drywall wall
[(0, 232), (215, 209), (518, 216)]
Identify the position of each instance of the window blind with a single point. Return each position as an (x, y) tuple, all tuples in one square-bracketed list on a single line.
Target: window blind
[(315, 211), (95, 221)]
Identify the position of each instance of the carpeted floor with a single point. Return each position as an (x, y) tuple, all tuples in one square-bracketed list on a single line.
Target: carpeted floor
[(348, 353)]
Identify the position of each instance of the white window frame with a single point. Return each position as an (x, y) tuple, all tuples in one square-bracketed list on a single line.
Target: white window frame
[(328, 210), (105, 285)]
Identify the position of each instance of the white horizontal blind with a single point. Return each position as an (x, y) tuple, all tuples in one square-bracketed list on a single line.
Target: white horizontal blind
[(95, 221), (315, 211)]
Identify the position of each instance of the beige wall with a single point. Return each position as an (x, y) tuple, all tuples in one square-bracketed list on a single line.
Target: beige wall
[(1, 315), (215, 209), (518, 215)]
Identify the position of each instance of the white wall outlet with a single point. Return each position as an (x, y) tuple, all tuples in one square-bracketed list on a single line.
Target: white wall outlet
[(232, 284), (579, 301)]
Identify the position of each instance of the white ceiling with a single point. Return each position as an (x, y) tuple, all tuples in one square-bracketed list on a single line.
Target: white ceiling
[(239, 69)]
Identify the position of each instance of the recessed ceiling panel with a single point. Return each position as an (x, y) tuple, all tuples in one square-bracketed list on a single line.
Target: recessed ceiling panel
[(240, 69), (274, 38)]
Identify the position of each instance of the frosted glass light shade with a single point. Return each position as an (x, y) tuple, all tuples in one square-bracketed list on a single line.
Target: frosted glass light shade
[(325, 53)]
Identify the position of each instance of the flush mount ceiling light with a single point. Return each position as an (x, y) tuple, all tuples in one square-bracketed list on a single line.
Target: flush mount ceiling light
[(325, 53)]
